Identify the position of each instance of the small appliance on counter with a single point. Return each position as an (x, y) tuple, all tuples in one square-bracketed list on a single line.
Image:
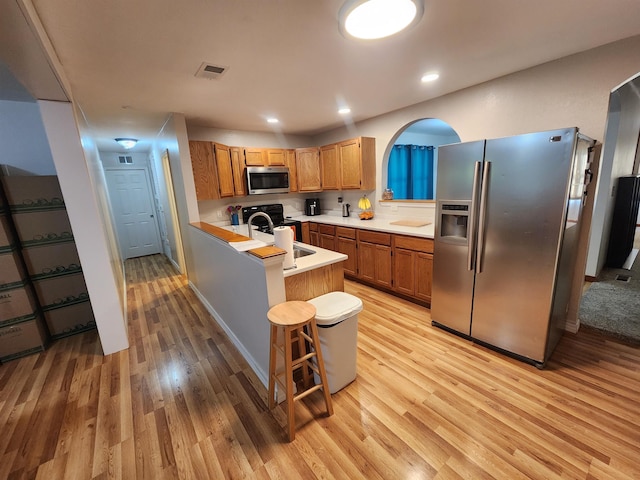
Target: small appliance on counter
[(312, 206), (276, 212), (345, 209)]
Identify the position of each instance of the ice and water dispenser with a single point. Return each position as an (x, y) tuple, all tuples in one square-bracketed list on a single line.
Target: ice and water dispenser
[(454, 221)]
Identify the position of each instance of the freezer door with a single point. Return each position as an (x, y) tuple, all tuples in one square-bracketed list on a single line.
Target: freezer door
[(452, 289), (526, 200)]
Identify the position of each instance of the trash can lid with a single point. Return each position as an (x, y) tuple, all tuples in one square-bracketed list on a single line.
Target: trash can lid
[(334, 307)]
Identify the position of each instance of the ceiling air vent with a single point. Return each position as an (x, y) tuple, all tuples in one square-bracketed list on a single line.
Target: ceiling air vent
[(128, 159), (210, 71)]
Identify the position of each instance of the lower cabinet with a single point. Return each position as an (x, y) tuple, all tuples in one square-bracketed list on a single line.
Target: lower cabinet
[(374, 257), (400, 264)]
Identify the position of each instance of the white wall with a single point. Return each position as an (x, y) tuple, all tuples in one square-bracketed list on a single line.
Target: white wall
[(24, 143), (84, 189)]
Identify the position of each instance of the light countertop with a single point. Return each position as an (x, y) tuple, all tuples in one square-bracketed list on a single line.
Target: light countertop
[(379, 224)]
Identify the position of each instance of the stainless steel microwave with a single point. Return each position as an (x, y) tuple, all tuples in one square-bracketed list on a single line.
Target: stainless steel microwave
[(262, 180)]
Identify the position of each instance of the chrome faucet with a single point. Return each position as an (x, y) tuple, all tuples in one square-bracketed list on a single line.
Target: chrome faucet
[(258, 214)]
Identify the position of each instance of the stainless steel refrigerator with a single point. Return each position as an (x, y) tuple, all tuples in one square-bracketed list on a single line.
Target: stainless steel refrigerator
[(508, 214)]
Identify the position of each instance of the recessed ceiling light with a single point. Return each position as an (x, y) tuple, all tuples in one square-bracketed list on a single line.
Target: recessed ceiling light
[(371, 19), (272, 120), (344, 111), (430, 77)]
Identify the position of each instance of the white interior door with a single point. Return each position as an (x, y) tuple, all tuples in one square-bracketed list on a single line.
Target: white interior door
[(132, 206)]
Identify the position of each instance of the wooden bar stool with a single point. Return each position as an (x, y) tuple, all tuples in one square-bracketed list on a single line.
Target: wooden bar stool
[(293, 317)]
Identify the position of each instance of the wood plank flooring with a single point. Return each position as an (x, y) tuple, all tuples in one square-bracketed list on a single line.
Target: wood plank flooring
[(182, 403)]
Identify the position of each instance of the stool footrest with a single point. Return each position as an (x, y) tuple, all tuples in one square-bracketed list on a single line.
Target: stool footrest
[(307, 392)]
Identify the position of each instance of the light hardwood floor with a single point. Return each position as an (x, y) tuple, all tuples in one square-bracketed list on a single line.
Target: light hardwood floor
[(182, 403)]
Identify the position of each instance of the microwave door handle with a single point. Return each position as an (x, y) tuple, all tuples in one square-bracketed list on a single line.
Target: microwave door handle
[(471, 251)]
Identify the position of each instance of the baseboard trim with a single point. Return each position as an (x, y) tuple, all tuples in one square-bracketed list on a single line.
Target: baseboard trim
[(589, 278)]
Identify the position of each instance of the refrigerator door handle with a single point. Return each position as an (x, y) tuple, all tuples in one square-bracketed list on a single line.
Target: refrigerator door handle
[(471, 253), (482, 216)]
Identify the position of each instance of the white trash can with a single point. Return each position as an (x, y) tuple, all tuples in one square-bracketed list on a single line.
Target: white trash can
[(337, 320)]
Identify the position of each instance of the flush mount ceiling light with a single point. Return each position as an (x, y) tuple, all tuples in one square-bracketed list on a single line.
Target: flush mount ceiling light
[(127, 142), (272, 120), (344, 111), (371, 19)]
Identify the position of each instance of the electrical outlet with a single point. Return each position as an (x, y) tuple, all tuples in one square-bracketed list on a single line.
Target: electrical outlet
[(394, 208), (339, 199), (219, 214)]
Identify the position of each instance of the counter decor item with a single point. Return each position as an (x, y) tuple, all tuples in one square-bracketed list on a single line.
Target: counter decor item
[(364, 204), (387, 194), (233, 210)]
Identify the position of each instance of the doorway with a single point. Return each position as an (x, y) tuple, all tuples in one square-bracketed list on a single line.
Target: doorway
[(133, 212)]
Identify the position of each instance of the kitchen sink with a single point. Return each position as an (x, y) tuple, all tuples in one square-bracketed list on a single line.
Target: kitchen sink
[(301, 252)]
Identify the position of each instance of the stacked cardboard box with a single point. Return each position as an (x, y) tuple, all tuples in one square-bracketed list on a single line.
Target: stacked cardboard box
[(21, 328), (38, 211)]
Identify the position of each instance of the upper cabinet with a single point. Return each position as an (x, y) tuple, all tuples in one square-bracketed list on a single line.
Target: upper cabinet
[(237, 165), (330, 161), (308, 166), (255, 157), (219, 170), (357, 163), (276, 157), (349, 165), (222, 156), (205, 175), (290, 162)]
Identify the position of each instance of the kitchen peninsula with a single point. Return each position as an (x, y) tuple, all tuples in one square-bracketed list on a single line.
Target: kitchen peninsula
[(239, 287)]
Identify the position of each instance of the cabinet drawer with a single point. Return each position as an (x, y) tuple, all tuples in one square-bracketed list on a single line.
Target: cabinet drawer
[(327, 229), (414, 243), (313, 227), (374, 237), (346, 232)]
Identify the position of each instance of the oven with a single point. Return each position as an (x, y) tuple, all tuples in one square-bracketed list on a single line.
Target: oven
[(276, 213)]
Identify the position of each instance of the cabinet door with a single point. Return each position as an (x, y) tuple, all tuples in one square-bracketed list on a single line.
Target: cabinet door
[(424, 275), (330, 167), (383, 266), (348, 246), (254, 157), (404, 271), (367, 261), (350, 166), (225, 170), (308, 166), (306, 238), (290, 162), (275, 156), (239, 178), (204, 173), (314, 238)]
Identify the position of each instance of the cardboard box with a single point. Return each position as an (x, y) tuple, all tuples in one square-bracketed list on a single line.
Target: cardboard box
[(12, 272), (42, 228), (51, 260), (7, 240), (22, 339), (33, 192), (61, 290), (65, 321), (16, 304)]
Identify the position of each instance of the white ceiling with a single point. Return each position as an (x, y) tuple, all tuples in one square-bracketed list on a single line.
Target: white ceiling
[(131, 62)]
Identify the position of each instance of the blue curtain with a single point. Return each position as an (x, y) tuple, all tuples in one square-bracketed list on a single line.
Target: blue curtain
[(410, 172)]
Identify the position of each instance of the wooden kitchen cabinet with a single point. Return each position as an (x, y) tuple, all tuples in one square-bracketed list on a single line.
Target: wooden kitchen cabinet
[(330, 164), (346, 243), (308, 169), (357, 164), (374, 257), (327, 236), (413, 266), (314, 238), (239, 176), (306, 238), (276, 157), (205, 175), (255, 157), (222, 157), (290, 162)]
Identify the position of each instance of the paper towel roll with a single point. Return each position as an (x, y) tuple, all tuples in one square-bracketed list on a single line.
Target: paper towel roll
[(284, 240)]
